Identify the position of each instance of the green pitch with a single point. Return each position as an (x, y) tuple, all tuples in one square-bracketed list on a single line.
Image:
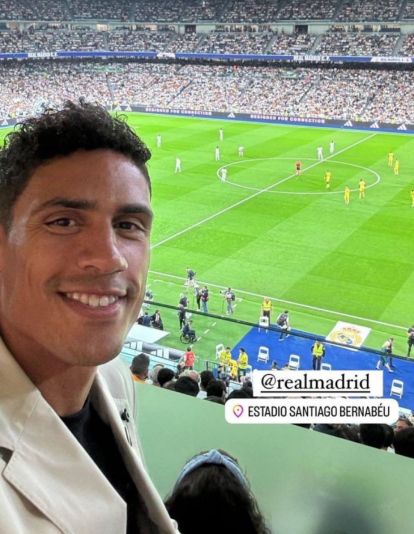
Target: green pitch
[(266, 231)]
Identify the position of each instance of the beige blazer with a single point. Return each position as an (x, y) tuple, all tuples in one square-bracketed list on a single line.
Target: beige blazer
[(48, 483)]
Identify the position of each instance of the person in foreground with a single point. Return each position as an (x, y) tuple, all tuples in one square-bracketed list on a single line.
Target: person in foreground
[(213, 481), (75, 221)]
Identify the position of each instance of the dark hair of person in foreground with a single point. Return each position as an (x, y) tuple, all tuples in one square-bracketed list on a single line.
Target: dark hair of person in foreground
[(212, 495), (57, 133)]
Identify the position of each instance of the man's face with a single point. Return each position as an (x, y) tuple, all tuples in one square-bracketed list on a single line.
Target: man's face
[(400, 425), (74, 263)]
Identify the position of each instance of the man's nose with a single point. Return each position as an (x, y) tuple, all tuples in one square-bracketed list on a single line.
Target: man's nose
[(101, 252)]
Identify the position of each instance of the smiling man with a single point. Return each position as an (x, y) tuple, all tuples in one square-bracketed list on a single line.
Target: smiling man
[(75, 221)]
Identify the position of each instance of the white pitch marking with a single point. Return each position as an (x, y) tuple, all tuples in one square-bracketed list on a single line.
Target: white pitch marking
[(253, 195), (251, 188), (206, 331), (293, 303)]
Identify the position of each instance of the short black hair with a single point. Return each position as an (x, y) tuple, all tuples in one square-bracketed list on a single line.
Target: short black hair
[(58, 133), (187, 385), (374, 435), (165, 375), (404, 442), (240, 394), (140, 364), (215, 388), (205, 377)]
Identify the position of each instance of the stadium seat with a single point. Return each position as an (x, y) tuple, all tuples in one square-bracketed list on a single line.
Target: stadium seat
[(263, 354), (219, 348), (294, 362), (135, 345), (397, 388), (263, 323), (326, 367)]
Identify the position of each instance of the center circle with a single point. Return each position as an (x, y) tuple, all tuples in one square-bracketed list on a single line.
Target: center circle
[(316, 163)]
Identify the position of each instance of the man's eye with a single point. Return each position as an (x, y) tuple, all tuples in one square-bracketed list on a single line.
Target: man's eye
[(62, 221), (129, 225)]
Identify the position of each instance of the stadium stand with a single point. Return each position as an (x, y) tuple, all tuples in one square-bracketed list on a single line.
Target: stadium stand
[(341, 42), (383, 95), (319, 9), (369, 10), (229, 12)]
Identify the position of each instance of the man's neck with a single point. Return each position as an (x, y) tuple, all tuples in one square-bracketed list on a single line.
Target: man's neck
[(67, 392), (65, 387)]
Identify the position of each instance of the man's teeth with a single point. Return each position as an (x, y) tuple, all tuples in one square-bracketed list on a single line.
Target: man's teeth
[(95, 301)]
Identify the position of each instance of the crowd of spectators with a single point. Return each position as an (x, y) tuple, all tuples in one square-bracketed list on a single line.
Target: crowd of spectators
[(335, 93), (341, 42), (241, 43), (408, 12), (291, 43), (315, 10), (229, 11), (102, 9), (369, 10), (336, 41), (407, 48), (250, 11)]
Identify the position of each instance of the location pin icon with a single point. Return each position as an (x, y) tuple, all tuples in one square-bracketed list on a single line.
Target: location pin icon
[(237, 410)]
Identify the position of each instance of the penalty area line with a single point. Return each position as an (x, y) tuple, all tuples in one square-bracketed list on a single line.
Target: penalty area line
[(290, 302)]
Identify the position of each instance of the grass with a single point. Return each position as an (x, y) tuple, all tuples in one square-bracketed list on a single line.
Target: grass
[(269, 232)]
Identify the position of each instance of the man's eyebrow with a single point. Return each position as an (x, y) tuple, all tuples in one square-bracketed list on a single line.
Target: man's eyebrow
[(135, 209), (62, 202), (81, 204)]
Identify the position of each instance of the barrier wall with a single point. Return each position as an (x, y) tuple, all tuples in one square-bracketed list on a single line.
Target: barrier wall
[(305, 482)]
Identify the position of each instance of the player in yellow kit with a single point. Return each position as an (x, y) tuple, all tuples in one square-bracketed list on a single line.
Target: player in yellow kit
[(328, 178), (390, 159), (397, 167), (361, 189), (412, 198), (347, 195)]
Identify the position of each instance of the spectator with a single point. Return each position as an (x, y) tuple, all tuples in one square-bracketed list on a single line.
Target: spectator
[(139, 368), (213, 481), (165, 375), (187, 385), (216, 388), (154, 374), (205, 377), (156, 321), (404, 442), (241, 393), (403, 422), (375, 435)]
